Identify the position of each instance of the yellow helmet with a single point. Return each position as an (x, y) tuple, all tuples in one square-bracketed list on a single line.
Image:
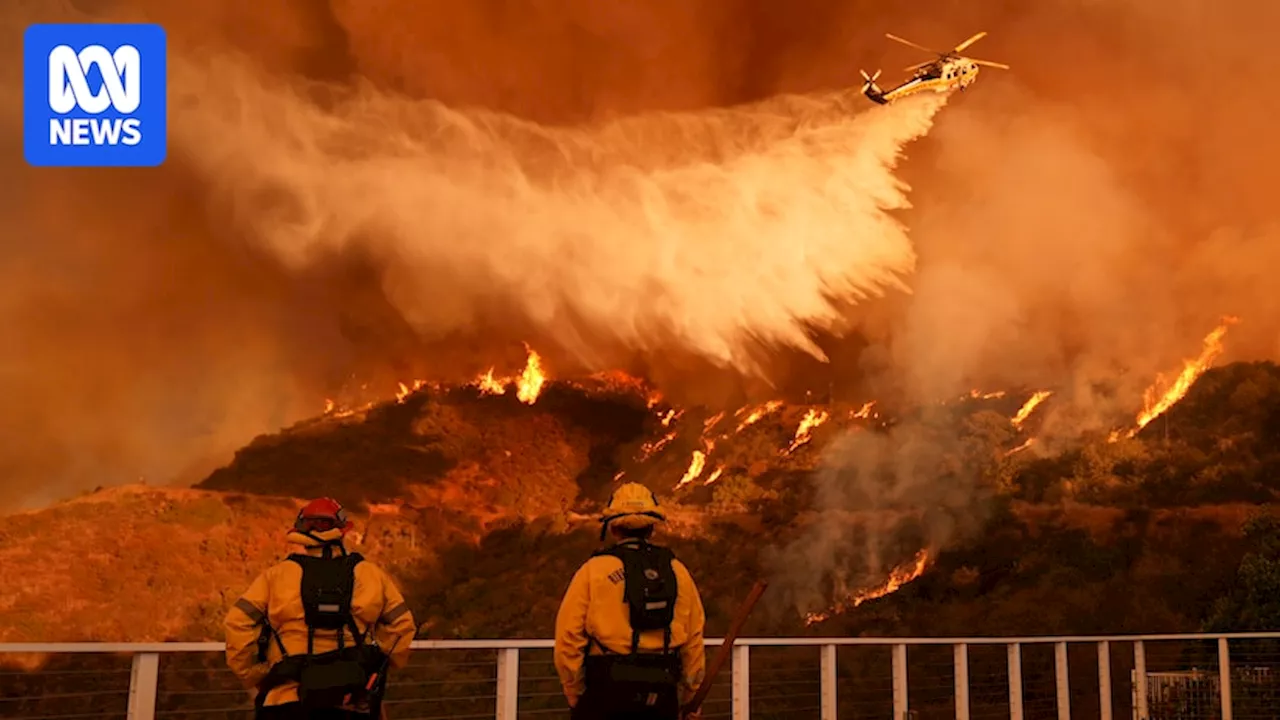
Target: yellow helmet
[(632, 505)]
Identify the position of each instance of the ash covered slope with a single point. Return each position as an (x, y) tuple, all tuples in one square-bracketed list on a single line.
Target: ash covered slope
[(474, 499)]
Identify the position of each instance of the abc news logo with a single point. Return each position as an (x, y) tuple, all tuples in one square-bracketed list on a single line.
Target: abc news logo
[(95, 95), (69, 89)]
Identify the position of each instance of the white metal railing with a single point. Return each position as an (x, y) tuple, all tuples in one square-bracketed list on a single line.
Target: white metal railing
[(145, 672)]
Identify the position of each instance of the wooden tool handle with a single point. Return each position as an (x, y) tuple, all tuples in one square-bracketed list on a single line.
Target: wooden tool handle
[(722, 654)]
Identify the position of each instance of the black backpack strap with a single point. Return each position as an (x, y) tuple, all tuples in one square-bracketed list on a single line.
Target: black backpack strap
[(666, 558)]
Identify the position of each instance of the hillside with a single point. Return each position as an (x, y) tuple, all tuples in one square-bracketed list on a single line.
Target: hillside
[(460, 491)]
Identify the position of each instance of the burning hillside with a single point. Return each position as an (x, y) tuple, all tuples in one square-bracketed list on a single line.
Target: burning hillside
[(452, 482), (522, 442)]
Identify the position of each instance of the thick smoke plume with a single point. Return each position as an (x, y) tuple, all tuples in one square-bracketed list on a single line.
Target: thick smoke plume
[(1084, 217)]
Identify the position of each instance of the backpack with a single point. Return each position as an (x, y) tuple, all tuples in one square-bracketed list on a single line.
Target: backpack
[(650, 589), (643, 683), (338, 677)]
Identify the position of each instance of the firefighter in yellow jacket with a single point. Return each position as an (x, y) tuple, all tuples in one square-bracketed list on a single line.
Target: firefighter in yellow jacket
[(629, 631), (315, 634)]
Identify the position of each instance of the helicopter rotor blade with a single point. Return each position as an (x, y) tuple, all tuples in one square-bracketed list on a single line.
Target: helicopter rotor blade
[(917, 66), (908, 43), (970, 41), (988, 63)]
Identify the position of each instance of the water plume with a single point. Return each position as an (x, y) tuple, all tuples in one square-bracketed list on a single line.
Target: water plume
[(711, 232)]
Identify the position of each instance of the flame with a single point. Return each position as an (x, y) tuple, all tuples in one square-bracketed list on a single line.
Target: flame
[(979, 395), (329, 405), (696, 466), (865, 411), (1191, 371), (1026, 444), (714, 476), (811, 420), (529, 382), (1029, 407), (650, 448), (1155, 404), (403, 391), (384, 508), (756, 414), (711, 422), (653, 398), (489, 385), (670, 416), (898, 577)]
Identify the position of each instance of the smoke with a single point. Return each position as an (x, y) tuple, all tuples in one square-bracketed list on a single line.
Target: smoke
[(712, 232), (1085, 216), (879, 499)]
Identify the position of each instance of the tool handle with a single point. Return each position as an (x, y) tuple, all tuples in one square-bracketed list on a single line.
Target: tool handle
[(722, 653)]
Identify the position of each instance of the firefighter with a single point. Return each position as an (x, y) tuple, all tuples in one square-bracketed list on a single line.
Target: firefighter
[(629, 631), (314, 635)]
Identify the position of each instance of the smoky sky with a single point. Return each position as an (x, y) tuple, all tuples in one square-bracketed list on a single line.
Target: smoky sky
[(1088, 214)]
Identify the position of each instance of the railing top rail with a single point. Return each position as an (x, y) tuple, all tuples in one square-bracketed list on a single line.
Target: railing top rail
[(535, 644)]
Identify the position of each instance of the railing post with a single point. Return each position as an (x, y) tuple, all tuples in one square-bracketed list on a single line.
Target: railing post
[(899, 682), (961, 652), (1224, 676), (1140, 680), (1015, 681), (741, 682), (143, 679), (1062, 680), (1104, 680), (829, 680), (508, 683)]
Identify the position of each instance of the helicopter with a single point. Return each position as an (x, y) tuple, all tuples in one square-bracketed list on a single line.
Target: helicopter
[(950, 71)]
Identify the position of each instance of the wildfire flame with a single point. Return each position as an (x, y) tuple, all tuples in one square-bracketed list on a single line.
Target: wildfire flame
[(898, 577), (714, 476), (1029, 407), (865, 411), (696, 466), (979, 395), (528, 383), (756, 414), (489, 385), (1025, 444), (648, 449), (808, 423), (1155, 403), (403, 391)]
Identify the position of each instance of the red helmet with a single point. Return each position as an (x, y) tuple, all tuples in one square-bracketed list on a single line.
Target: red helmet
[(320, 515)]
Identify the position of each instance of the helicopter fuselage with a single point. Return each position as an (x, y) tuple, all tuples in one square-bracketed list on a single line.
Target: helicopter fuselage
[(941, 76)]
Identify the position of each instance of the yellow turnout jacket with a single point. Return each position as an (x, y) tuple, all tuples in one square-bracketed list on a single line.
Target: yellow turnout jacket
[(595, 605), (276, 596)]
